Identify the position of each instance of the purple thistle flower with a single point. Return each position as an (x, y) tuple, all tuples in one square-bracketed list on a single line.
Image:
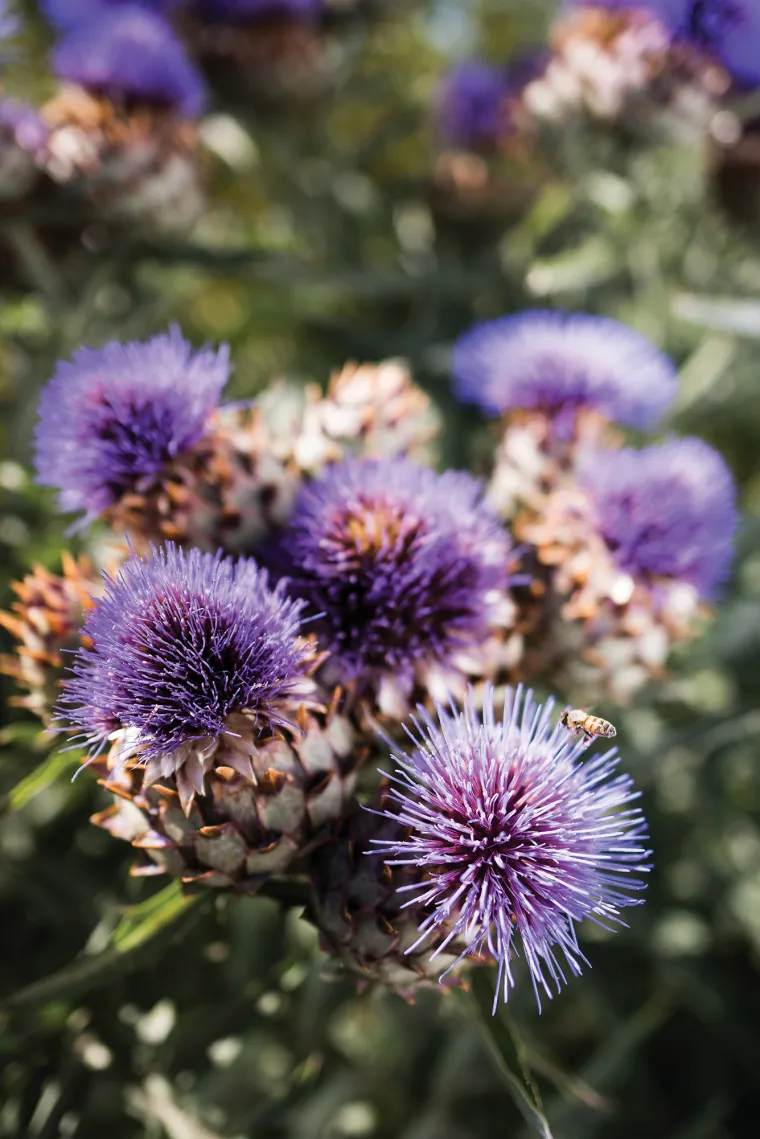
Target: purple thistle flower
[(177, 644), (251, 11), (521, 836), (668, 510), (471, 105), (562, 362), (117, 414), (404, 565), (128, 53)]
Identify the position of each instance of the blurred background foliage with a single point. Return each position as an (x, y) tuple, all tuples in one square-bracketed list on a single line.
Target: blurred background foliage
[(323, 241)]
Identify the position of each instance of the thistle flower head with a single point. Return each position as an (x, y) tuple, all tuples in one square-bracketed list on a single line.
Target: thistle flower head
[(177, 644), (667, 510), (562, 363), (405, 566), (249, 11), (129, 54), (117, 414), (521, 836), (471, 105)]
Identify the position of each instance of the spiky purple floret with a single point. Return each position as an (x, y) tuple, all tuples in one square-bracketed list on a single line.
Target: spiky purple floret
[(563, 362), (131, 55), (23, 124), (471, 104), (245, 11), (668, 510), (117, 414), (404, 565), (177, 643), (520, 835)]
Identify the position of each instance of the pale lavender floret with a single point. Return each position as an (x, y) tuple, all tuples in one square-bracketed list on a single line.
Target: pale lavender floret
[(130, 54), (115, 415), (246, 11), (9, 23), (177, 643), (667, 510), (562, 362), (22, 124), (403, 564), (519, 834)]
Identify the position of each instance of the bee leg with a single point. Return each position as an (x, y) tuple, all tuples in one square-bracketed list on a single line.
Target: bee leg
[(588, 738)]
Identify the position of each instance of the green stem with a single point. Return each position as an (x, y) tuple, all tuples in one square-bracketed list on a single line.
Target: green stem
[(503, 1040)]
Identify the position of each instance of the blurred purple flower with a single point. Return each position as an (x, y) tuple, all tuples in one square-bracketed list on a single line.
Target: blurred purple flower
[(471, 105), (22, 138), (22, 124), (519, 835), (178, 643), (67, 14), (129, 53), (668, 510), (250, 11), (404, 565), (9, 23), (729, 29), (562, 362), (117, 414)]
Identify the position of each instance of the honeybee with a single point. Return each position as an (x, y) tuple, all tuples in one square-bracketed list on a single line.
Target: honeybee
[(580, 722)]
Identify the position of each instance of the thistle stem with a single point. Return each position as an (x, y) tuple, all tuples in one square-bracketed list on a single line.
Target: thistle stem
[(503, 1040)]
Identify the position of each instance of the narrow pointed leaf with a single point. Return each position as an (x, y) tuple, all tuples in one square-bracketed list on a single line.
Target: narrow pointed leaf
[(504, 1043), (135, 935)]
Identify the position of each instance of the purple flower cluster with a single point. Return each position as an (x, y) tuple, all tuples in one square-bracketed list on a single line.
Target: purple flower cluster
[(521, 836), (563, 362), (728, 29), (128, 53), (117, 414), (178, 643), (471, 108), (403, 565), (668, 510)]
